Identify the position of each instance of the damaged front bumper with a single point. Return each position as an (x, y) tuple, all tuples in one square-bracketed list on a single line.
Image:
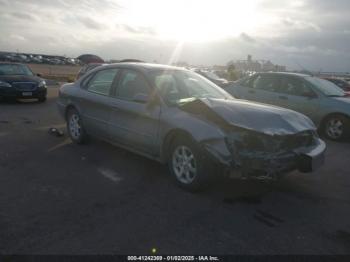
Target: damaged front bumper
[(244, 163)]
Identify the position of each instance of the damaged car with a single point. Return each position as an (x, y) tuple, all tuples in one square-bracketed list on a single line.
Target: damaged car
[(181, 119)]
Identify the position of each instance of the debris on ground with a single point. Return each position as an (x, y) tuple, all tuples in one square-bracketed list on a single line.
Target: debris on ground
[(54, 131)]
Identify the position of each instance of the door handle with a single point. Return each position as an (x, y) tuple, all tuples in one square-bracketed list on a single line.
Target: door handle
[(283, 97)]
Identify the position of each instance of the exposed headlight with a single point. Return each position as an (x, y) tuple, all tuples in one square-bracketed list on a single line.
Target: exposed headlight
[(251, 141), (4, 84), (257, 142), (42, 84)]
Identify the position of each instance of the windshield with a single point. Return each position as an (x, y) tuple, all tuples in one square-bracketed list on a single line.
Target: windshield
[(326, 87), (341, 83), (14, 69), (178, 85)]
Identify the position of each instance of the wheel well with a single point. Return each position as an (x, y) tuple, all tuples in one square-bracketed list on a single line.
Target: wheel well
[(68, 108), (169, 139)]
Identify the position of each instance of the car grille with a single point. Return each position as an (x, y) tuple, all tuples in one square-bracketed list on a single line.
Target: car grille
[(25, 86)]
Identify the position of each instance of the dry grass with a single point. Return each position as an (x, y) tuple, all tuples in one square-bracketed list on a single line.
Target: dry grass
[(56, 72)]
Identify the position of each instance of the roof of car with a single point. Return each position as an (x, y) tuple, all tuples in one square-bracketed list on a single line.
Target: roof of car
[(286, 73), (145, 66)]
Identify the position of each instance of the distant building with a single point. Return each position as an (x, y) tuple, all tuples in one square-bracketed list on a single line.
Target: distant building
[(251, 65), (219, 67)]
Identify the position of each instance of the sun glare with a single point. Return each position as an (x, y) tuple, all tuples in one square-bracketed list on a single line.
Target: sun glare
[(193, 20)]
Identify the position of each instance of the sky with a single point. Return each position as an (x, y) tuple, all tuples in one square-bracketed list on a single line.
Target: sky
[(301, 34)]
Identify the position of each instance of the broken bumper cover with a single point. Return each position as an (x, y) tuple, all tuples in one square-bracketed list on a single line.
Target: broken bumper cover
[(313, 158), (268, 165)]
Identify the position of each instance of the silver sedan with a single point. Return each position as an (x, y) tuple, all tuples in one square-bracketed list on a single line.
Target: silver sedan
[(179, 118), (326, 104)]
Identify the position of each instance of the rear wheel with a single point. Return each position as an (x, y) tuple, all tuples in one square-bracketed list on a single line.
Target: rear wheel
[(75, 127), (336, 127), (188, 165)]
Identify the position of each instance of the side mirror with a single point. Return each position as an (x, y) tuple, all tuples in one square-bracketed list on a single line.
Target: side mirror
[(39, 75), (141, 98)]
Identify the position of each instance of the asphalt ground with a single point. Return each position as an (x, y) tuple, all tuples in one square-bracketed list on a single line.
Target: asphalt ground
[(60, 198)]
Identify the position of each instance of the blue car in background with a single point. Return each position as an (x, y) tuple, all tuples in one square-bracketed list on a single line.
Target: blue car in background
[(322, 101), (18, 81)]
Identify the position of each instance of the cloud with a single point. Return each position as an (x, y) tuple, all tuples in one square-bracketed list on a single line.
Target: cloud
[(300, 25), (312, 32), (16, 37), (90, 23), (24, 16), (138, 29), (247, 38)]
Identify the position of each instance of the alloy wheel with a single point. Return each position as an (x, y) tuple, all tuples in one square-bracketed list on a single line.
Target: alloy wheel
[(184, 164), (335, 128), (74, 126)]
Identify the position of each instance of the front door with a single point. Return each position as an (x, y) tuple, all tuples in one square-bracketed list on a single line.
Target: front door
[(134, 121), (259, 88), (296, 94)]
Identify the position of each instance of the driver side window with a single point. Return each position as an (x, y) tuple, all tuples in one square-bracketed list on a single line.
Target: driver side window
[(294, 86), (131, 84)]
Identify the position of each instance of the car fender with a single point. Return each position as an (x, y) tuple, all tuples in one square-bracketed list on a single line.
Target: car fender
[(210, 137)]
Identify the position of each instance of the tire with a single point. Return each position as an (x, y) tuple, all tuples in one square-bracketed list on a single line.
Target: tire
[(188, 165), (42, 99), (75, 127), (336, 127)]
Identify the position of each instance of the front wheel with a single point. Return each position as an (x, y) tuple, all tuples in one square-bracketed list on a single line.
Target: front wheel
[(336, 127), (188, 165), (75, 127)]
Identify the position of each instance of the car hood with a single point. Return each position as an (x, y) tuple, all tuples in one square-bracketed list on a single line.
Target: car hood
[(258, 117), (19, 78)]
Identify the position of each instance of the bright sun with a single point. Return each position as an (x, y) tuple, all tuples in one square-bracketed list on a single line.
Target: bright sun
[(193, 20)]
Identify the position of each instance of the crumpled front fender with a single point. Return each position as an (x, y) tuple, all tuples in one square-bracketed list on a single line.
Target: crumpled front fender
[(218, 151)]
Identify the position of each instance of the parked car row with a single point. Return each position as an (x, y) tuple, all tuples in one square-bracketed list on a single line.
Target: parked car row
[(212, 76), (37, 59), (180, 118)]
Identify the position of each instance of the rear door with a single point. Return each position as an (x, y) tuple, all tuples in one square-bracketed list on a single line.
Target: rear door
[(134, 122), (96, 101)]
